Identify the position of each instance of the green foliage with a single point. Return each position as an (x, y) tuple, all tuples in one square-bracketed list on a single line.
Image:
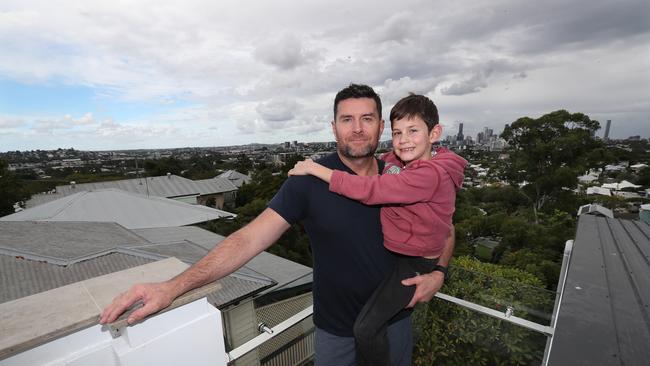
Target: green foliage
[(447, 334), (11, 190), (163, 166), (252, 199), (548, 153), (644, 177)]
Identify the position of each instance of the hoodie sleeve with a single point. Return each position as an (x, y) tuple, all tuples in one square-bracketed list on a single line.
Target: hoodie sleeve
[(416, 184)]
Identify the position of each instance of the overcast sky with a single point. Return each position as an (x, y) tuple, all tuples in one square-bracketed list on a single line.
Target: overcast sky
[(143, 74)]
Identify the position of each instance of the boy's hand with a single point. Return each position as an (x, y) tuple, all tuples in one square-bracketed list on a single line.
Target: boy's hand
[(302, 167)]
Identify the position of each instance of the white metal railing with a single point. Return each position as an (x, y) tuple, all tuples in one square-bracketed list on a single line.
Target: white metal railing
[(508, 315)]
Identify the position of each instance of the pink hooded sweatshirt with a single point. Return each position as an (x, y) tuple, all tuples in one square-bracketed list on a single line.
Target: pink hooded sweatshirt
[(419, 200)]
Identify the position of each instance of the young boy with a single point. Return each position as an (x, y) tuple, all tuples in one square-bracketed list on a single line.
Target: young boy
[(418, 190)]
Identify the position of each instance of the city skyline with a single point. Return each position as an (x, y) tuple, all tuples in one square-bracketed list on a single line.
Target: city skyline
[(144, 75)]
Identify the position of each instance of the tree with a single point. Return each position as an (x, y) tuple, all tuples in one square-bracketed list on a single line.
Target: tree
[(10, 190), (448, 334), (548, 153)]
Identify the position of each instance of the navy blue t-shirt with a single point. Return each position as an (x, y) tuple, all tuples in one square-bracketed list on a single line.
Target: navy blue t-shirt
[(347, 246)]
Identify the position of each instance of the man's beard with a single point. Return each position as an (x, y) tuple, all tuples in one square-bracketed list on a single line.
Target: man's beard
[(367, 151)]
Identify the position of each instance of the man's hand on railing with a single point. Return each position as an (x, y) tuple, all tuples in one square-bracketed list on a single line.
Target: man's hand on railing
[(153, 296)]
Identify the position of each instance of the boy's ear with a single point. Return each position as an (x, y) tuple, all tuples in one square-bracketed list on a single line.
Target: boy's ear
[(435, 133)]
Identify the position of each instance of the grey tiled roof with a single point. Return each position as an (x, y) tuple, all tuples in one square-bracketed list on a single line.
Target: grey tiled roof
[(604, 315), (160, 186)]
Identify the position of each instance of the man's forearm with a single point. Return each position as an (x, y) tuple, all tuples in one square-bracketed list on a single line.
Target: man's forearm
[(448, 250), (222, 260), (232, 253)]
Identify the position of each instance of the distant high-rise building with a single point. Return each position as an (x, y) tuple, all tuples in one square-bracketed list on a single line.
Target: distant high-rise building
[(609, 123), (460, 136)]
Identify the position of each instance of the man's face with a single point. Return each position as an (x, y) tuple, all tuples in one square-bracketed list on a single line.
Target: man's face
[(357, 127)]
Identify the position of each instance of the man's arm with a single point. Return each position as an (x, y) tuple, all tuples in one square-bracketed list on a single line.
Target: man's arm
[(232, 253), (428, 284)]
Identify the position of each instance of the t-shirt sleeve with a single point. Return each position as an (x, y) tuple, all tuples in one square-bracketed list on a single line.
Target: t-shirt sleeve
[(290, 202)]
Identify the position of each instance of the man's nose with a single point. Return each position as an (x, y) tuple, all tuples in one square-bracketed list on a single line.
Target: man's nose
[(357, 126)]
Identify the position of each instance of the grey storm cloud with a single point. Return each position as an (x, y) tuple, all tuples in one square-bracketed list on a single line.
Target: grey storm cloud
[(473, 84), (399, 28), (285, 53), (277, 110)]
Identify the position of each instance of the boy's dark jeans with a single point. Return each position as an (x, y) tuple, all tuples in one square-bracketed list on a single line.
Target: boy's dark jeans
[(387, 300)]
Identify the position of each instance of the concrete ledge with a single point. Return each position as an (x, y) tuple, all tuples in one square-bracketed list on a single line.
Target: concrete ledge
[(34, 320)]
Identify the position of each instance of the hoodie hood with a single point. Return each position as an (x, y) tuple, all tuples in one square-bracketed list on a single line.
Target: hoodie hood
[(452, 163)]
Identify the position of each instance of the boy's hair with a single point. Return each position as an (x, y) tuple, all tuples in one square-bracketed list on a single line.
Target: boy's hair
[(415, 106), (357, 91)]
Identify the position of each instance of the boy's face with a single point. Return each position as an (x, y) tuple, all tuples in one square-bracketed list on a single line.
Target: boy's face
[(412, 140)]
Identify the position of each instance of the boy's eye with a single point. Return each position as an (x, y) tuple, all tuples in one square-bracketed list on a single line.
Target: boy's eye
[(396, 133)]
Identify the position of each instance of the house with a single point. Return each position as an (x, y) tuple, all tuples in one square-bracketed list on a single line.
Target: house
[(236, 178), (219, 191), (41, 256), (595, 209), (644, 213), (485, 247), (599, 190), (131, 210)]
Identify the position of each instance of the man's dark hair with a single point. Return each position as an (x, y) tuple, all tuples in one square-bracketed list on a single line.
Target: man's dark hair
[(415, 106), (357, 91)]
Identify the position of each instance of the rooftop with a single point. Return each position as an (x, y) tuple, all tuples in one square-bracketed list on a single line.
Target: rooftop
[(160, 186), (131, 210), (604, 313)]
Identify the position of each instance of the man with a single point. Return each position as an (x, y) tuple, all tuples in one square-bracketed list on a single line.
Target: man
[(349, 258)]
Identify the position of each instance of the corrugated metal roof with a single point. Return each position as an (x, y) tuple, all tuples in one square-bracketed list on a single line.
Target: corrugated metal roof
[(160, 186), (131, 210), (23, 277), (604, 315), (237, 178), (38, 256), (194, 234), (65, 241), (283, 271)]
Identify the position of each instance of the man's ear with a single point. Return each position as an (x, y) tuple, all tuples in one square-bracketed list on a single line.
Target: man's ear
[(435, 133), (336, 137)]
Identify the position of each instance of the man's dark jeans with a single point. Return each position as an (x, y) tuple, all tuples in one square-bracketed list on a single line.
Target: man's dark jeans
[(389, 299)]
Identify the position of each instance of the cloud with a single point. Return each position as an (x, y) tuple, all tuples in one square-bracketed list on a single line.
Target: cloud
[(242, 67), (285, 53), (398, 27), (277, 110), (11, 122), (67, 122), (470, 85)]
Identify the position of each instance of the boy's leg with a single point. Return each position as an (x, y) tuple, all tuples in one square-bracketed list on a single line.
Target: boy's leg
[(370, 328), (400, 340)]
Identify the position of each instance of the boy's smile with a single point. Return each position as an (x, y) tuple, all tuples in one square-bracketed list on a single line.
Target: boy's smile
[(412, 140)]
